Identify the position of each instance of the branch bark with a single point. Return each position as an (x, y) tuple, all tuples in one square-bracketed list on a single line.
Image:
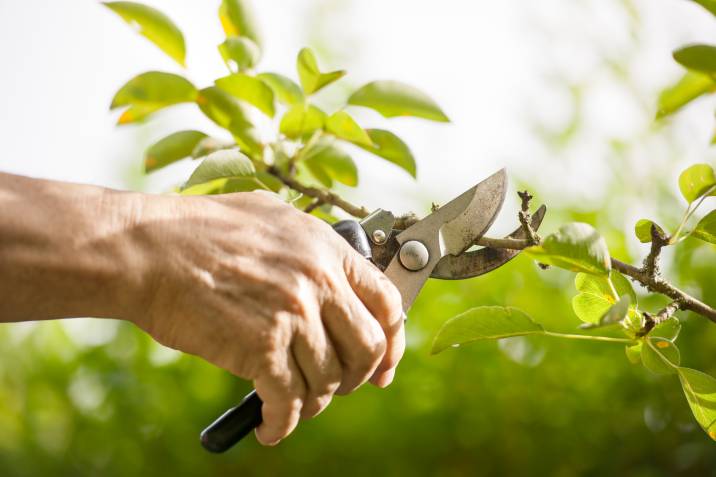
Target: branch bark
[(323, 195), (652, 282), (648, 275), (657, 284), (525, 218)]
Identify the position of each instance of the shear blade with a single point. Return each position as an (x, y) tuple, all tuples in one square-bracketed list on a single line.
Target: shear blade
[(451, 229), (479, 262)]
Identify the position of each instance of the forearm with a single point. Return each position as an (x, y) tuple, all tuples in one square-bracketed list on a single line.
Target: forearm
[(67, 250)]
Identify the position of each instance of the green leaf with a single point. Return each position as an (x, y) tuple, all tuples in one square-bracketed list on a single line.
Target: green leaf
[(237, 20), (633, 353), (484, 322), (210, 144), (577, 247), (697, 57), (302, 120), (709, 5), (691, 86), (221, 107), (249, 89), (327, 158), (660, 356), (392, 98), (286, 91), (171, 149), (246, 137), (642, 230), (230, 114), (308, 173), (240, 53), (262, 181), (150, 92), (389, 146), (207, 188), (700, 391), (153, 25), (667, 329), (617, 312), (135, 114), (696, 181), (706, 228), (229, 163), (342, 125), (310, 75), (270, 181), (596, 298)]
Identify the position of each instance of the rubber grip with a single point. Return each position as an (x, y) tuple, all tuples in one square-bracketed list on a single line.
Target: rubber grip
[(236, 423)]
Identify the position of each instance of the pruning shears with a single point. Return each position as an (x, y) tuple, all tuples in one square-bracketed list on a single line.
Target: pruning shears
[(433, 247)]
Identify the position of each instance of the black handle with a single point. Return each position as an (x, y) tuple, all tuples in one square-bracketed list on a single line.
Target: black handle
[(237, 422)]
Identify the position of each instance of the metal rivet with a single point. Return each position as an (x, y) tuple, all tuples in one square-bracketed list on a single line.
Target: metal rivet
[(414, 255), (378, 236)]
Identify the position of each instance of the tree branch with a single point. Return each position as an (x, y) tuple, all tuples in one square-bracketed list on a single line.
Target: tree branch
[(509, 243), (651, 262), (648, 276), (650, 321), (653, 283), (659, 285), (323, 195)]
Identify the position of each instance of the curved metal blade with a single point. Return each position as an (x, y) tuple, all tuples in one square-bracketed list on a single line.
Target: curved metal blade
[(479, 262), (449, 230)]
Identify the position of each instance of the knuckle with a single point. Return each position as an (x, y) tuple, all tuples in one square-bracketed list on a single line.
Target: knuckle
[(375, 343), (369, 353), (377, 348), (328, 384), (394, 302), (269, 345), (390, 305), (391, 360), (315, 405), (294, 406)]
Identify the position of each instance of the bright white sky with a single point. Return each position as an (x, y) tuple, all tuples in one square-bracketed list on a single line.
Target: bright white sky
[(495, 67)]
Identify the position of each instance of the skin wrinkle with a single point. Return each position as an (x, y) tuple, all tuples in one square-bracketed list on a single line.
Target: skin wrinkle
[(244, 281)]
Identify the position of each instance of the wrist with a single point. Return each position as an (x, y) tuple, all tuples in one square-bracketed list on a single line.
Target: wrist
[(136, 248)]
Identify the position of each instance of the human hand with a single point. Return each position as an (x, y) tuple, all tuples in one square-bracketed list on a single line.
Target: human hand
[(271, 294)]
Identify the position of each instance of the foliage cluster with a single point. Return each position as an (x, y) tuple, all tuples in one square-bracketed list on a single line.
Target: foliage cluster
[(308, 156)]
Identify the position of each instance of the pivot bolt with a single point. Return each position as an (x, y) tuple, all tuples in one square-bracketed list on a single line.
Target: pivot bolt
[(378, 236), (414, 255)]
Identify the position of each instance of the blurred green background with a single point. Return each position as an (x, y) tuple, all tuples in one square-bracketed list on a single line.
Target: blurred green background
[(85, 397)]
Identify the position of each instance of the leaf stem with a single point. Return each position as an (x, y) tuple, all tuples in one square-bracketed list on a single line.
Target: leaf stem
[(615, 294), (588, 337), (675, 236), (689, 212)]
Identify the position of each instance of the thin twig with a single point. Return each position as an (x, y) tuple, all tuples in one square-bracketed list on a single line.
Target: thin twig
[(650, 321), (313, 206), (509, 243), (326, 196), (651, 262), (654, 284), (659, 285), (648, 276), (525, 218)]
